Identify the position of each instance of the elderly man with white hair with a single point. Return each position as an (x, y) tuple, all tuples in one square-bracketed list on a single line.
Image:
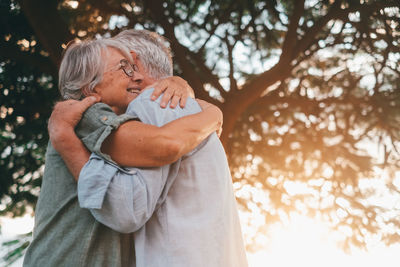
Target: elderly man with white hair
[(64, 233)]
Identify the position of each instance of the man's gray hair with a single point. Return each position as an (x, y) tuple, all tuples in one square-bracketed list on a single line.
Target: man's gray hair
[(151, 49), (83, 65)]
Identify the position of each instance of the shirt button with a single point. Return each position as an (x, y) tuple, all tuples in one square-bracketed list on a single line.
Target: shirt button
[(104, 118)]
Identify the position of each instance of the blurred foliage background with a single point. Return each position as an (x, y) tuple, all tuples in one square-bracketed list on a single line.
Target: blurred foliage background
[(309, 91)]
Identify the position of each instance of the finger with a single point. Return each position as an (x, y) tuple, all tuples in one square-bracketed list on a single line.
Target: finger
[(86, 103), (97, 96), (174, 101), (62, 106), (159, 87), (191, 92), (219, 132), (166, 97), (183, 101)]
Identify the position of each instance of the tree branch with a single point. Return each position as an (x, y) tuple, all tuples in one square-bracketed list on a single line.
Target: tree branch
[(290, 41), (233, 82), (181, 52), (335, 12), (27, 58), (312, 32)]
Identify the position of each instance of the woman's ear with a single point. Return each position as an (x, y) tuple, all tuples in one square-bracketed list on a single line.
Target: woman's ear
[(134, 55), (86, 92)]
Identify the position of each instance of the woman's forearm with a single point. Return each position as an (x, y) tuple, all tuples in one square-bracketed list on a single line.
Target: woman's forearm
[(71, 150), (191, 130)]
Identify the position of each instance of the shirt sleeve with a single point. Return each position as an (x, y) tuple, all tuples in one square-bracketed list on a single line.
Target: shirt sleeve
[(122, 199), (150, 112), (96, 124)]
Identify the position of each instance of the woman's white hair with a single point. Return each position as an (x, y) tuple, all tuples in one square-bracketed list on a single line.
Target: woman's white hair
[(82, 66), (151, 49)]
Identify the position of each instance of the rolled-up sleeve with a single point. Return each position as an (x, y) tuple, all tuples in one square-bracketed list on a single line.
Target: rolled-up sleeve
[(96, 125), (122, 199)]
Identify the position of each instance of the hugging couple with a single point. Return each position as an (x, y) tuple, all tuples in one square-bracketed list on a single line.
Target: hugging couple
[(135, 174)]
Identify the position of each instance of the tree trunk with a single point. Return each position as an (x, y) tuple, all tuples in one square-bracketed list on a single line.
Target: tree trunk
[(237, 103), (50, 29)]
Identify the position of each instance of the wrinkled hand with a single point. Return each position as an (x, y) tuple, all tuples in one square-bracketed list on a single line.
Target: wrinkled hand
[(175, 89), (216, 113), (66, 115)]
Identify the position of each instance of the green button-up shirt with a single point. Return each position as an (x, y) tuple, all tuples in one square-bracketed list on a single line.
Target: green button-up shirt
[(65, 234)]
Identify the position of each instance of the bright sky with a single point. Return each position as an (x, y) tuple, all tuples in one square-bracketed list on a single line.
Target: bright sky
[(302, 242), (306, 242)]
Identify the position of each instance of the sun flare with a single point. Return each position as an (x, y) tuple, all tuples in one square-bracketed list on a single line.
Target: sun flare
[(303, 241)]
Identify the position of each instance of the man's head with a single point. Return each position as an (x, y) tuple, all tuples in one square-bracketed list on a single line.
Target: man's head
[(150, 50)]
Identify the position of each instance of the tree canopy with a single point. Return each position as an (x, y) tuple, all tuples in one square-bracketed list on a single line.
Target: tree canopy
[(309, 91)]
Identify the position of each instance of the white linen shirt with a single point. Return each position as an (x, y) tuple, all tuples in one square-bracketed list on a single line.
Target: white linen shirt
[(182, 214)]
